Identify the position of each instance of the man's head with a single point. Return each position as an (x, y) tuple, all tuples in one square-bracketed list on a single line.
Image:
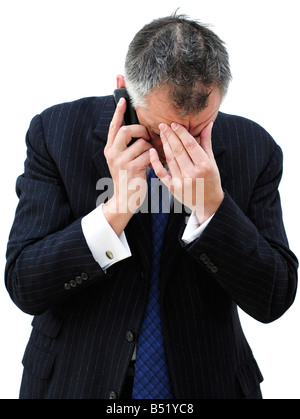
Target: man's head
[(176, 70), (181, 57)]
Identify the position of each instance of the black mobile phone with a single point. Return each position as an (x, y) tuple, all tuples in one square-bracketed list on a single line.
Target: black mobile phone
[(130, 116)]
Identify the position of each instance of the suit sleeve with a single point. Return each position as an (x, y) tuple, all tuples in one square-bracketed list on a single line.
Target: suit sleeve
[(48, 259), (248, 254)]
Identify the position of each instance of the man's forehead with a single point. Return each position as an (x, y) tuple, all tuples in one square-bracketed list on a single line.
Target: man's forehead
[(160, 108)]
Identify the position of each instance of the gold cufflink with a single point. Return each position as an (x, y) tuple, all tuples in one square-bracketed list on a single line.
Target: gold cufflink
[(109, 255)]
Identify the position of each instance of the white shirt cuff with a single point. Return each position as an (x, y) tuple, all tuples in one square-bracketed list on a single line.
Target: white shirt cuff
[(193, 229), (106, 247)]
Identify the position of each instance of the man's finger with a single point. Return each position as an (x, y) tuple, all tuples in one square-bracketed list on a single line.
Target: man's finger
[(128, 132), (137, 148), (169, 155), (194, 152), (158, 168), (117, 121)]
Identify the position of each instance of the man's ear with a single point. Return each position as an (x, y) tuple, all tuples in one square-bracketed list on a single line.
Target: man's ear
[(120, 81)]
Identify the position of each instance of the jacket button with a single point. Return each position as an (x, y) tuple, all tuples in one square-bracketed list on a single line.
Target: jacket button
[(78, 280), (73, 283), (67, 286), (112, 395), (214, 269), (84, 276), (204, 258), (130, 336)]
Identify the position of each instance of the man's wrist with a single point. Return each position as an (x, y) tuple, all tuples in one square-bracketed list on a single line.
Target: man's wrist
[(116, 219), (204, 214)]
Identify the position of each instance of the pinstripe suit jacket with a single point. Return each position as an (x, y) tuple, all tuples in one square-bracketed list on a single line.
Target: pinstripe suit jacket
[(80, 346)]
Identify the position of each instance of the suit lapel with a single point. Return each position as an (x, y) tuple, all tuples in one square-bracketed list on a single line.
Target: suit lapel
[(104, 117), (138, 233), (219, 149), (172, 246)]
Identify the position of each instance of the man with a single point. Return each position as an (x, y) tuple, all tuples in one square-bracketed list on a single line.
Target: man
[(86, 273)]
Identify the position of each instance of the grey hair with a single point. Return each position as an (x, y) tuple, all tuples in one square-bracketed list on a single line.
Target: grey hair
[(178, 54)]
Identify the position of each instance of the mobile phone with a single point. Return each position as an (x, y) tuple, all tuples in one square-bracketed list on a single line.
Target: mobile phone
[(130, 116)]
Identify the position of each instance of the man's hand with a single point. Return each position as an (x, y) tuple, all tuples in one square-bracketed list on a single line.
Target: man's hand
[(189, 160), (127, 166)]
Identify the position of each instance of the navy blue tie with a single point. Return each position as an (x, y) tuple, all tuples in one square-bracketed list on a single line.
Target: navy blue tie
[(152, 380)]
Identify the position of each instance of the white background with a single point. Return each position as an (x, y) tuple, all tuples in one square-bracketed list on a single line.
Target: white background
[(54, 51)]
